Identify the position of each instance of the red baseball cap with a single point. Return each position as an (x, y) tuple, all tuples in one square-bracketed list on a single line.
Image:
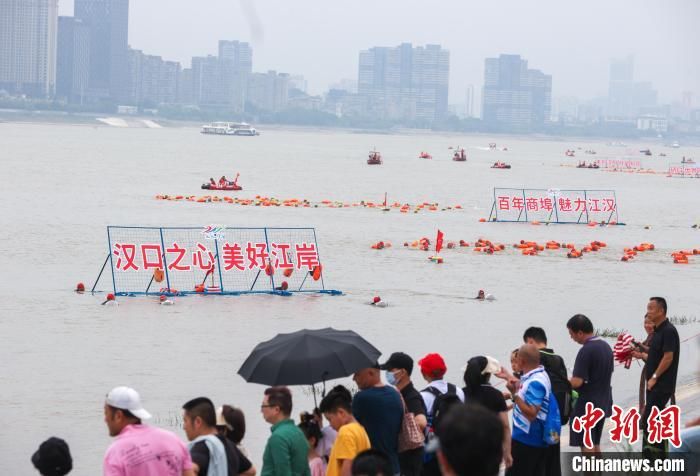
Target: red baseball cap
[(433, 365)]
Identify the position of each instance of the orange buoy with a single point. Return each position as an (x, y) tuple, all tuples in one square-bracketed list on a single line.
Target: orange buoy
[(288, 272), (482, 220), (316, 273), (269, 270), (158, 275)]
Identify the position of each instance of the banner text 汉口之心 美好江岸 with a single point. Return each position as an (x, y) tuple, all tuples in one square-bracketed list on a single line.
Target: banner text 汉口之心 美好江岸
[(228, 260)]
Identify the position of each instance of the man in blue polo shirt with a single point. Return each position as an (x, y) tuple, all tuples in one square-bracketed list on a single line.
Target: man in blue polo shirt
[(530, 407)]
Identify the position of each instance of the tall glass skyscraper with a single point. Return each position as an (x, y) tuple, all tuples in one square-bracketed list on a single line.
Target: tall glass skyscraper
[(108, 21)]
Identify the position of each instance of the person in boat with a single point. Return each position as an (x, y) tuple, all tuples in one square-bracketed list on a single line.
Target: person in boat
[(481, 296), (211, 182), (222, 181)]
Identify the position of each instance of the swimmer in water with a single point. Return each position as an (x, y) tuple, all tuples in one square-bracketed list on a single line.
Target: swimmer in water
[(377, 302), (164, 301), (482, 296)]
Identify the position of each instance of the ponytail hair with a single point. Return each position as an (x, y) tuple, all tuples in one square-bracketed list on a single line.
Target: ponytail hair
[(309, 426), (473, 377)]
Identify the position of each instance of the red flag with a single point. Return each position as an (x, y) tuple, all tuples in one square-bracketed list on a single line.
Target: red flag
[(438, 241)]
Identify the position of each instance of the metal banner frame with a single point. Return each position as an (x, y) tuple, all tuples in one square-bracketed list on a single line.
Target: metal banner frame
[(555, 212), (263, 286)]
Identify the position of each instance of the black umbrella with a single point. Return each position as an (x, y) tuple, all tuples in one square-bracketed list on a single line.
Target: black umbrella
[(307, 357)]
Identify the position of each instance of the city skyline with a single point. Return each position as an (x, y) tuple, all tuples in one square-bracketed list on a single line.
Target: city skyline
[(573, 43)]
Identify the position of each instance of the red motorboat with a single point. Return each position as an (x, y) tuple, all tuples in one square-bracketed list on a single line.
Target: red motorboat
[(223, 184), (500, 165), (375, 158), (459, 155), (208, 186), (425, 155)]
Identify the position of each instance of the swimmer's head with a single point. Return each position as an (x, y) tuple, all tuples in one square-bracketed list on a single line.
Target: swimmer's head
[(376, 299), (80, 287), (162, 297), (110, 297)]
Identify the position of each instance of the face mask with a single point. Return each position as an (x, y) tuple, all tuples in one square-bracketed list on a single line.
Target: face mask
[(390, 377)]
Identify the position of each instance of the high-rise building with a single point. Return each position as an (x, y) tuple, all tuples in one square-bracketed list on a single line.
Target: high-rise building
[(298, 81), (153, 81), (28, 46), (108, 21), (185, 90), (210, 85), (221, 82), (236, 65), (405, 82), (268, 91), (515, 98), (625, 96), (72, 59), (469, 102)]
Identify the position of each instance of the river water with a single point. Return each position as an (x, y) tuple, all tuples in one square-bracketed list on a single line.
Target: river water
[(64, 184)]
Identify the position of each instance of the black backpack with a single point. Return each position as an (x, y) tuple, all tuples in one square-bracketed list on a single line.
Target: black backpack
[(561, 387), (442, 403)]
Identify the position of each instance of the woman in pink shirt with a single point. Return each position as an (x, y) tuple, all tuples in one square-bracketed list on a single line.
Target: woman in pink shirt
[(309, 426)]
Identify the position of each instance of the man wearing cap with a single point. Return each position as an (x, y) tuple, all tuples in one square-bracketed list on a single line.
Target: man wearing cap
[(53, 458), (398, 373), (140, 450), (433, 369), (378, 408)]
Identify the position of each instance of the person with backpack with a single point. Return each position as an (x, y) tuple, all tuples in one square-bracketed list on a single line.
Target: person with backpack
[(561, 388), (438, 397), (532, 397)]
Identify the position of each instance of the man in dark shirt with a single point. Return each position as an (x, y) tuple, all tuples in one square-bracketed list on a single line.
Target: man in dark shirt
[(592, 373), (661, 369), (561, 388), (378, 408), (398, 373), (207, 446)]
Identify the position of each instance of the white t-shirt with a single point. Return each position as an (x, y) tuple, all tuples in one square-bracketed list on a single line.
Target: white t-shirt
[(326, 442), (441, 386)]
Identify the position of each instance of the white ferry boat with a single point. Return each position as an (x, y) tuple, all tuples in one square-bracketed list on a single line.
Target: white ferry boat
[(230, 129)]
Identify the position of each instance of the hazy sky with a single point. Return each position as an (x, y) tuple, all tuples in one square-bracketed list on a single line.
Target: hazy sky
[(321, 39)]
